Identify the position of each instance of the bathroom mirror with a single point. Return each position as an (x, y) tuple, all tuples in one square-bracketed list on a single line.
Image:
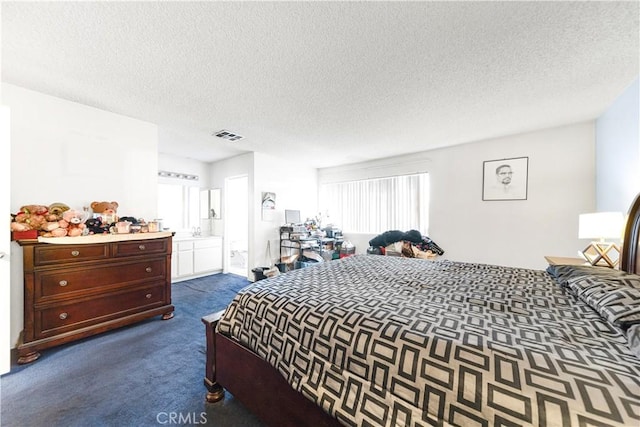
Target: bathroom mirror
[(178, 206), (215, 207), (210, 204)]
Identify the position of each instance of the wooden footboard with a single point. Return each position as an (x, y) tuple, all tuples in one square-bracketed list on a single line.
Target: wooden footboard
[(255, 383)]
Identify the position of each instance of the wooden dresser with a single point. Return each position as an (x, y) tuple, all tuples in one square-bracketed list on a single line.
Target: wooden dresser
[(90, 285)]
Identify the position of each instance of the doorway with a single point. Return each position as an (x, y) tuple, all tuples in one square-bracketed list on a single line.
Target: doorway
[(236, 225)]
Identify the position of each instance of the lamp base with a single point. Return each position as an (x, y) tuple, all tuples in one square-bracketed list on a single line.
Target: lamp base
[(602, 254)]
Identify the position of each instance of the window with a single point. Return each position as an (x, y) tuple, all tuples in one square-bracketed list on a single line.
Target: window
[(377, 205), (179, 206)]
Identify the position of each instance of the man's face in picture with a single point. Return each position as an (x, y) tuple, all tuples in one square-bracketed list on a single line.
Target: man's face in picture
[(504, 174)]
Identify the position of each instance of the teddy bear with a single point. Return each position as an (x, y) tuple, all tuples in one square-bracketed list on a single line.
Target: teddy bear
[(57, 209), (18, 223), (74, 220), (94, 225), (105, 207), (108, 211), (30, 217), (53, 218), (53, 223), (59, 231)]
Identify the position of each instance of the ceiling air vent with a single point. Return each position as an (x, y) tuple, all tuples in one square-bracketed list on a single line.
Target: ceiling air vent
[(229, 136)]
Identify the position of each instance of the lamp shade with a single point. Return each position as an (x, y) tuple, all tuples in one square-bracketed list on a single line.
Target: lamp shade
[(600, 225)]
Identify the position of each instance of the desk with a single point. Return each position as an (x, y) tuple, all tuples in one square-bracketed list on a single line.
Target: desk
[(295, 246)]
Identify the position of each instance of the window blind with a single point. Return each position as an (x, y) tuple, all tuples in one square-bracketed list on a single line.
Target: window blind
[(378, 205)]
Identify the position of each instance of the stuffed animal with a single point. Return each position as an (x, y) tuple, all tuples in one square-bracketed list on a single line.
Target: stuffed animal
[(57, 209), (94, 225), (30, 217), (19, 224), (53, 226), (105, 208), (60, 231), (34, 209), (34, 217), (75, 222), (107, 211)]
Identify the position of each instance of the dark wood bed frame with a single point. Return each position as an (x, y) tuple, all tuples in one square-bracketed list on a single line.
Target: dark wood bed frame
[(262, 389)]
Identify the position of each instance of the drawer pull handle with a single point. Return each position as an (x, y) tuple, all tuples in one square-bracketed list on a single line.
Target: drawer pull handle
[(63, 316), (148, 296), (148, 269), (63, 283), (75, 253), (142, 247)]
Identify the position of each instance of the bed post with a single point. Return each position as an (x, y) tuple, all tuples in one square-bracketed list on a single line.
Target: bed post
[(215, 392), (630, 257)]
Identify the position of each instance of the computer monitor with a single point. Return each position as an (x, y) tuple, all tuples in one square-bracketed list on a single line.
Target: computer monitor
[(291, 216)]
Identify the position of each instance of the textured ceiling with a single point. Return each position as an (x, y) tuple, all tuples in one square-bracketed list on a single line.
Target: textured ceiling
[(327, 83)]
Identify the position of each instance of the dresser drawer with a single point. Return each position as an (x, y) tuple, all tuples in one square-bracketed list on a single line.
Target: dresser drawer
[(60, 283), (56, 254), (63, 317), (140, 247)]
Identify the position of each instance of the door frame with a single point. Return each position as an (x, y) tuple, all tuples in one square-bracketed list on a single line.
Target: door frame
[(227, 227)]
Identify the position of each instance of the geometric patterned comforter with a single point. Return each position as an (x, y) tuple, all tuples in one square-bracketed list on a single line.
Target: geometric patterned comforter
[(386, 341)]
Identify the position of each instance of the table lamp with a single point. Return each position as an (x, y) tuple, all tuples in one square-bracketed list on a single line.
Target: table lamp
[(601, 226)]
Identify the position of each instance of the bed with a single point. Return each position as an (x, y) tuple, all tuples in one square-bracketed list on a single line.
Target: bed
[(379, 341)]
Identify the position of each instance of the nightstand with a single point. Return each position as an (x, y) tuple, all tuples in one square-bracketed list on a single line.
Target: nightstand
[(558, 260)]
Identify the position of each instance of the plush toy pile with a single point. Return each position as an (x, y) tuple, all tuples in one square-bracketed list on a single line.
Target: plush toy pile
[(56, 220)]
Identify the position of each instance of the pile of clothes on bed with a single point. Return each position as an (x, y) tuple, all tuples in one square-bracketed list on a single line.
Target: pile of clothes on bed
[(410, 244)]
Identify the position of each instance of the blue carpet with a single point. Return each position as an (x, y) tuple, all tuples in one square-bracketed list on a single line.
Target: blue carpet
[(148, 374)]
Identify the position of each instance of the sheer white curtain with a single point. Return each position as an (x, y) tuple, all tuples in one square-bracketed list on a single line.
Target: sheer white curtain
[(378, 205)]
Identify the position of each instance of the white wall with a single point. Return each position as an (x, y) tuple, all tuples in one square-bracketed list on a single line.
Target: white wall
[(618, 152), (295, 187), (62, 151), (516, 233), (67, 152), (171, 163)]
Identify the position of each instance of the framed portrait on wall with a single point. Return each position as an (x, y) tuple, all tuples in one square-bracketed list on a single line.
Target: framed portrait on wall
[(505, 179)]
